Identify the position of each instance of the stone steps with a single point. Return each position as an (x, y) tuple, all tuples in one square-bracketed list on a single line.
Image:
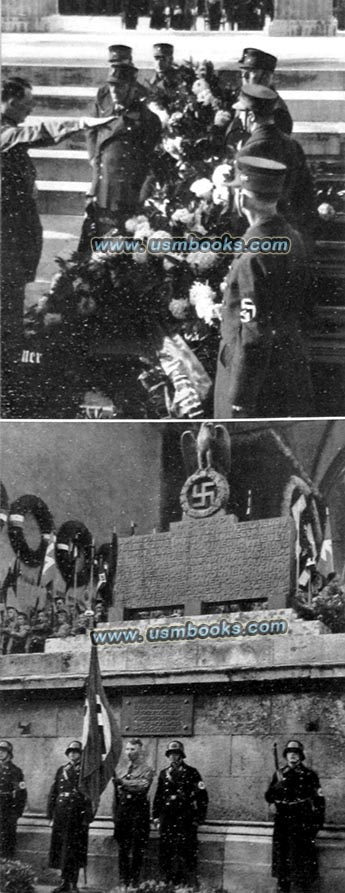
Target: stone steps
[(315, 105), (325, 77)]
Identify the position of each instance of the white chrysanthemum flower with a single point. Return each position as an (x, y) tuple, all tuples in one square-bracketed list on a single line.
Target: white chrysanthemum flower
[(220, 195), (173, 145), (222, 175), (202, 188), (202, 297), (134, 223)]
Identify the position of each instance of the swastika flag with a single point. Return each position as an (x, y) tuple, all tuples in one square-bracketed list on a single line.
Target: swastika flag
[(102, 742)]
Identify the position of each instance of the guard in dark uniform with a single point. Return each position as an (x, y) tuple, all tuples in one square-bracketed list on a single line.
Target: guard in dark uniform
[(71, 813), (300, 810), (258, 67), (131, 810), (265, 140), (262, 368), (179, 806), (13, 795)]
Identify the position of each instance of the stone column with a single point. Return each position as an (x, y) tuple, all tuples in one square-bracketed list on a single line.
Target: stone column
[(303, 18), (29, 15)]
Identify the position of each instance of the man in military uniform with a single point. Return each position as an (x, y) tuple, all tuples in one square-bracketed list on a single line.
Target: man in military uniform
[(262, 369), (258, 67), (300, 809), (179, 806), (13, 796), (121, 152), (71, 812), (256, 107), (131, 811), (22, 243), (164, 84)]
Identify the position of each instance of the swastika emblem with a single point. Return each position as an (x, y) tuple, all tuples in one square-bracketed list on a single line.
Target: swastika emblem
[(203, 494)]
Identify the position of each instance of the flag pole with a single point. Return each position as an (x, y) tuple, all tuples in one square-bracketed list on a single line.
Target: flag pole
[(91, 569)]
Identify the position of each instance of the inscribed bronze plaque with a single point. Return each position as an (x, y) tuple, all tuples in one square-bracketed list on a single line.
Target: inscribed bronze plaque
[(165, 715)]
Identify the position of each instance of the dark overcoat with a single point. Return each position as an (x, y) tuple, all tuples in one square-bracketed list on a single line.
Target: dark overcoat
[(262, 366), (180, 804), (121, 155), (297, 203), (71, 813), (13, 795), (300, 809)]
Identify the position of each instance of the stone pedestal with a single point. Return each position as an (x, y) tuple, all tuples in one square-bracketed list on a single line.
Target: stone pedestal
[(30, 15), (297, 18)]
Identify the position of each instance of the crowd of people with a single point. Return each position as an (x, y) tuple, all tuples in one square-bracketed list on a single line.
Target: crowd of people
[(179, 806), (25, 632), (178, 157)]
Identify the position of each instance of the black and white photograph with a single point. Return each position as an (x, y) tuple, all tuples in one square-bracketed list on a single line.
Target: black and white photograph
[(172, 446), (173, 209), (172, 656)]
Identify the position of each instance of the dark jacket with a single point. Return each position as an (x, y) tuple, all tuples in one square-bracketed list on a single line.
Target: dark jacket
[(121, 155), (21, 226), (262, 366), (13, 795), (71, 813), (180, 804), (282, 117), (297, 203), (300, 812)]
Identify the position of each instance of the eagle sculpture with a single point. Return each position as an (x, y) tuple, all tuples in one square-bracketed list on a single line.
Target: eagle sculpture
[(209, 448)]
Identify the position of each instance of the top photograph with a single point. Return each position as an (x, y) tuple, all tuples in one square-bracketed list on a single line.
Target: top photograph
[(173, 209)]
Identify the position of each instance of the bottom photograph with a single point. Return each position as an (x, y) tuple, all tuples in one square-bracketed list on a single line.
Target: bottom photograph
[(172, 656)]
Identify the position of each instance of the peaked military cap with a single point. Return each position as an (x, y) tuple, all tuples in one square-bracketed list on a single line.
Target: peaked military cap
[(260, 175), (6, 745), (120, 55), (165, 50), (73, 745), (253, 58), (295, 747), (175, 747), (256, 98)]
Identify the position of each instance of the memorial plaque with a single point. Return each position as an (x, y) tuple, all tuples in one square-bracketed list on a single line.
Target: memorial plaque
[(170, 716)]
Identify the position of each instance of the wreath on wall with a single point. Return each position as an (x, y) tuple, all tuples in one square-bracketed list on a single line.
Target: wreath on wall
[(34, 506)]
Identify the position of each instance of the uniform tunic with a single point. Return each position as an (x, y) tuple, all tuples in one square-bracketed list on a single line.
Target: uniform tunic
[(262, 367), (297, 203), (180, 804), (300, 812), (71, 813), (121, 155), (13, 796), (131, 810)]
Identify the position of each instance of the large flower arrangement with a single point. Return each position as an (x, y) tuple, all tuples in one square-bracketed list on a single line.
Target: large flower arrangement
[(159, 313)]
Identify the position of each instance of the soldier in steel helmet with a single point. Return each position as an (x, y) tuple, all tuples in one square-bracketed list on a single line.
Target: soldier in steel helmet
[(70, 812), (179, 806), (13, 797), (300, 809)]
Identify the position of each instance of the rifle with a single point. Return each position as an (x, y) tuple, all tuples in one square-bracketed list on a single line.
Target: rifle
[(276, 762)]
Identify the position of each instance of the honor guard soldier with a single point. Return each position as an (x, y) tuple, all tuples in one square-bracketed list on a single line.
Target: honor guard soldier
[(300, 810), (179, 806), (262, 368), (256, 108), (258, 67), (131, 810), (13, 797), (71, 812)]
